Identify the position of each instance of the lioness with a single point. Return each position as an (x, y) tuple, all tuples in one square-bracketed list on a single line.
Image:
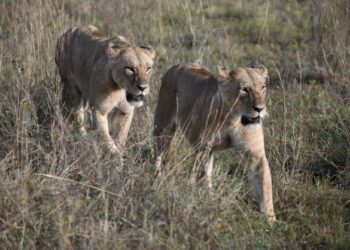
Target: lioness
[(103, 73), (216, 112)]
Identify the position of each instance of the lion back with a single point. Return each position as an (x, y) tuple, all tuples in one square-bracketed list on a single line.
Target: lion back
[(77, 50)]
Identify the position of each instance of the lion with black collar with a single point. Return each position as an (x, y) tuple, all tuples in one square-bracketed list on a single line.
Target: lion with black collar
[(216, 112)]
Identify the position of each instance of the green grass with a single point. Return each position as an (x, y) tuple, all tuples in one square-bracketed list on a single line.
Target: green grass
[(59, 190)]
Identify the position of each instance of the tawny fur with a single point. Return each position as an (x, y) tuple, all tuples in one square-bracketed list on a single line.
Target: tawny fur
[(209, 110), (105, 74)]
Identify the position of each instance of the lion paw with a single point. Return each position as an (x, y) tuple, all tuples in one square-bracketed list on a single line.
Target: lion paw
[(113, 148)]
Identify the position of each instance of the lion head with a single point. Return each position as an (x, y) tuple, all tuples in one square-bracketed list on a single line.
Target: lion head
[(131, 68), (245, 88)]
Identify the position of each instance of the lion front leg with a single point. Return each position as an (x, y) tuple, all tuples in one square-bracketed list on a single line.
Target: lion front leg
[(119, 127), (102, 126), (259, 176), (164, 142)]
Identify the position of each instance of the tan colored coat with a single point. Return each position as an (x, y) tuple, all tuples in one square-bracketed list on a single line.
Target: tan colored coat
[(216, 112), (107, 74)]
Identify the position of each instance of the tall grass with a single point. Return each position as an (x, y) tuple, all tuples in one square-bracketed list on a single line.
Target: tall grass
[(59, 190)]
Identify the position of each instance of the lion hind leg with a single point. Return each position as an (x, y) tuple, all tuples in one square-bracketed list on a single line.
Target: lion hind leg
[(73, 103), (203, 165), (80, 117)]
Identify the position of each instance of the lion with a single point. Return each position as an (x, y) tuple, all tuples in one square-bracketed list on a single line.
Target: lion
[(216, 112), (105, 74)]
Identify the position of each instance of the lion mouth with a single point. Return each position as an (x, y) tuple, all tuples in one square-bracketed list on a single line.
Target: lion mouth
[(134, 98), (250, 120)]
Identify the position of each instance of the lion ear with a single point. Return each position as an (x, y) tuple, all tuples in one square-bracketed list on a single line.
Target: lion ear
[(119, 42), (221, 73), (148, 50), (261, 70)]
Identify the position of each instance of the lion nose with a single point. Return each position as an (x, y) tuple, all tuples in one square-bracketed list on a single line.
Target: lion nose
[(258, 108), (141, 87)]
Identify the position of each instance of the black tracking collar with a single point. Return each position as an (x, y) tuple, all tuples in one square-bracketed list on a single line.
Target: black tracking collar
[(250, 120)]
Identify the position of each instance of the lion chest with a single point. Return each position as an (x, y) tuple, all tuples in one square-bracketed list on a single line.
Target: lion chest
[(115, 99), (247, 138)]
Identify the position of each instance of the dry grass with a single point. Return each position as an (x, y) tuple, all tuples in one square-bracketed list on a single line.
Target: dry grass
[(59, 190)]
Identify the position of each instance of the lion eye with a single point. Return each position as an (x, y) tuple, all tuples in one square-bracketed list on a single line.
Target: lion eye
[(263, 87), (148, 69), (244, 91), (129, 71)]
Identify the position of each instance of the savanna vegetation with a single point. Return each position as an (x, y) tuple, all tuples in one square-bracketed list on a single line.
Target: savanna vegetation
[(59, 190)]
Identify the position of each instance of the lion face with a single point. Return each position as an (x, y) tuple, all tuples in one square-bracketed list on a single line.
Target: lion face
[(131, 70), (245, 88)]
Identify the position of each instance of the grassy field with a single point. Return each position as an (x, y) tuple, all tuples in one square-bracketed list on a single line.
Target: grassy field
[(58, 190)]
